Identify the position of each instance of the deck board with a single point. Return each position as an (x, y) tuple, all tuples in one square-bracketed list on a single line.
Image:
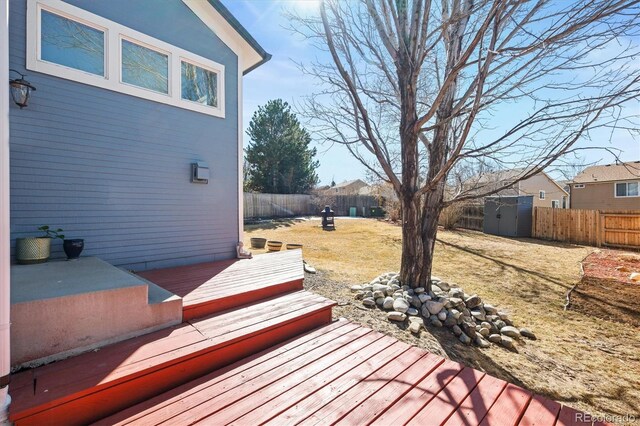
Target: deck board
[(346, 374), (211, 287)]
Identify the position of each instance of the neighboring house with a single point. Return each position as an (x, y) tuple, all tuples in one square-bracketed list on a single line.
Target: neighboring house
[(546, 192), (130, 94), (350, 187), (384, 190), (607, 187)]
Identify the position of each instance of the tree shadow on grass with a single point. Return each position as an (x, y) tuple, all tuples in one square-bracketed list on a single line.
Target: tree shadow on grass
[(268, 224)]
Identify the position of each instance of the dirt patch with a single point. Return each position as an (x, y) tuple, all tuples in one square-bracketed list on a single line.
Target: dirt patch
[(606, 291), (588, 363)]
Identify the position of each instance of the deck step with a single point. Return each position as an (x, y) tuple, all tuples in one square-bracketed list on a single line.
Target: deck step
[(212, 287), (97, 384)]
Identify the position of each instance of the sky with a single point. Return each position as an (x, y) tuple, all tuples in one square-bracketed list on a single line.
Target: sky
[(281, 78)]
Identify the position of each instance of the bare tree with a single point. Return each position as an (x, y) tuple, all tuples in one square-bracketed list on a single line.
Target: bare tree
[(418, 91)]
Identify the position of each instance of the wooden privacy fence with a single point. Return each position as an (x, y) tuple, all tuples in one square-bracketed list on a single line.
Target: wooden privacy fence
[(472, 217), (288, 205), (591, 227)]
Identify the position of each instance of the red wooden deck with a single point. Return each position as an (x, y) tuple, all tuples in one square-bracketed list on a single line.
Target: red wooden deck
[(212, 287), (346, 374), (272, 357)]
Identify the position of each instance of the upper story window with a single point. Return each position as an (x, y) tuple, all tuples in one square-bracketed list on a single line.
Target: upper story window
[(71, 44), (578, 185), (541, 195), (627, 189), (199, 84), (144, 67), (68, 42)]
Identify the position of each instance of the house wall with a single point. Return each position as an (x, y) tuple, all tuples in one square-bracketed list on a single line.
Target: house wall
[(601, 196), (540, 182), (115, 169)]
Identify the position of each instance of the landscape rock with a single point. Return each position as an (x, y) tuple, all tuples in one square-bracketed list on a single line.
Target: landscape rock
[(418, 290), (456, 330), (528, 333), (435, 279), (419, 320), (356, 288), (378, 293), (380, 301), (507, 342), (442, 315), (413, 311), (435, 321), (478, 315), (503, 316), (499, 324), (465, 339), (388, 303), (510, 331), (423, 297), (415, 327), (400, 305), (485, 332), (495, 338), (490, 309), (369, 301), (469, 329), (473, 301), (450, 321), (443, 285), (457, 302), (635, 276), (479, 341), (368, 294), (367, 287), (433, 307), (359, 296), (396, 316), (456, 313), (415, 302), (456, 292)]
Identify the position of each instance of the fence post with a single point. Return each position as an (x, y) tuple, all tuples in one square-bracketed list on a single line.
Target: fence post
[(599, 228)]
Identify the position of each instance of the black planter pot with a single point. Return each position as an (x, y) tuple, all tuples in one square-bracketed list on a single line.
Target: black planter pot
[(73, 248)]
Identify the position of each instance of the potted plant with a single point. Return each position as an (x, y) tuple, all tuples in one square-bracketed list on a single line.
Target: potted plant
[(32, 250), (274, 245), (258, 243), (73, 248)]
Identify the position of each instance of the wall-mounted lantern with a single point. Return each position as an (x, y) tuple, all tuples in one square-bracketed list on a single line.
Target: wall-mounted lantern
[(199, 172), (20, 90)]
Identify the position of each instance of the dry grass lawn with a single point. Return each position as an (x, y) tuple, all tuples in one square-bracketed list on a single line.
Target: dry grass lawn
[(586, 362)]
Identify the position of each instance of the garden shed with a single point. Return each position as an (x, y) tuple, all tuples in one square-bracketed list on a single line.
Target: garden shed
[(508, 216)]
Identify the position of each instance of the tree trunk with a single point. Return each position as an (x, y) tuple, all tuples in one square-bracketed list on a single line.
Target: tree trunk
[(429, 229), (412, 251)]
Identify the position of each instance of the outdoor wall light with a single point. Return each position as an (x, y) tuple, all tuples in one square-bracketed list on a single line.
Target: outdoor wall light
[(20, 90), (199, 172)]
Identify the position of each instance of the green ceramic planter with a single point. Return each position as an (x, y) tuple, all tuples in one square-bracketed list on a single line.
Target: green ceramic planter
[(33, 250)]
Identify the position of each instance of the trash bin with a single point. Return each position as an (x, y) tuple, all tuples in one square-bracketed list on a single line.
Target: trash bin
[(352, 211)]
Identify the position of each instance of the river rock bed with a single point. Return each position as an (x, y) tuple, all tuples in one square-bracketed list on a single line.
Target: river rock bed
[(469, 318)]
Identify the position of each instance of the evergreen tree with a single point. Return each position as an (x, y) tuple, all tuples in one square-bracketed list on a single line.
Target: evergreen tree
[(278, 156)]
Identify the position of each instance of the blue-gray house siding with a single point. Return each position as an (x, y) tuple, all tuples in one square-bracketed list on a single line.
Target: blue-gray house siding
[(114, 169)]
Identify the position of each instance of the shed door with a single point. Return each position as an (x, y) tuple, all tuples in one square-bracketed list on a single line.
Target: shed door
[(491, 217), (508, 219)]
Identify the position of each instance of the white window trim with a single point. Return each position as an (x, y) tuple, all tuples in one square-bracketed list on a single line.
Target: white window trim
[(112, 80), (615, 193), (555, 203), (542, 195)]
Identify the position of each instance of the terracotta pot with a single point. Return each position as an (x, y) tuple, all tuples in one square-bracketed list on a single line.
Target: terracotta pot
[(33, 250), (294, 246), (274, 245), (258, 243)]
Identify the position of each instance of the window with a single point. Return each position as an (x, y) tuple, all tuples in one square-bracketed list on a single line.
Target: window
[(541, 195), (626, 189), (144, 67), (578, 186), (564, 202), (199, 85), (555, 204), (71, 43)]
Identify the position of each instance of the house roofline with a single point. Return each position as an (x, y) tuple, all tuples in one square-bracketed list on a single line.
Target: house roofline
[(554, 182), (242, 31)]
